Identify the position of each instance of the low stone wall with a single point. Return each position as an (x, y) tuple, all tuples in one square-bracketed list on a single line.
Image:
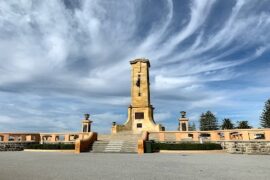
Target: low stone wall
[(247, 147), (14, 146)]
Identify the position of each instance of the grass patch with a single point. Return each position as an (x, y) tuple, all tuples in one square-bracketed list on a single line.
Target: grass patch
[(50, 146)]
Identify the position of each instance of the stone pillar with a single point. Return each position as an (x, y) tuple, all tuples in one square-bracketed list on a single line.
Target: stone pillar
[(183, 122), (114, 128), (41, 139), (227, 135), (16, 138), (53, 138), (86, 123), (245, 135), (214, 136), (267, 135), (6, 137), (161, 136), (67, 137), (195, 136)]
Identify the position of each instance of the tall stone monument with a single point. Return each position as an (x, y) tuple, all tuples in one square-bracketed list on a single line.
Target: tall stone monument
[(140, 111)]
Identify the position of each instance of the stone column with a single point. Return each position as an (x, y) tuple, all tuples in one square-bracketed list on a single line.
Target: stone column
[(67, 137), (15, 138), (29, 137), (53, 138), (245, 136), (161, 136), (6, 137), (183, 122), (267, 135), (86, 124), (195, 136), (227, 136), (41, 139), (214, 136)]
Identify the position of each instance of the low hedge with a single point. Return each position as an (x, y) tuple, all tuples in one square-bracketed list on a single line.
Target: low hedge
[(50, 146), (185, 146)]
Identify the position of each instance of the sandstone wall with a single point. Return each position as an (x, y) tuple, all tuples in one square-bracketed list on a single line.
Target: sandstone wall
[(247, 147), (13, 146)]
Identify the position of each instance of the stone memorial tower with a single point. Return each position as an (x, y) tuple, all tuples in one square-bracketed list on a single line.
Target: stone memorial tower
[(140, 111)]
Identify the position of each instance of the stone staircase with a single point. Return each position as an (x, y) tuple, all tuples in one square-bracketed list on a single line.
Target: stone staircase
[(124, 142)]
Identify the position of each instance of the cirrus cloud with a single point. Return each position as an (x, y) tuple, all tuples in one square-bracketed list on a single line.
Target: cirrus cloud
[(60, 59)]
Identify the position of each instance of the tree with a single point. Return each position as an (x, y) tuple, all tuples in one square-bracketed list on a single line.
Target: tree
[(265, 117), (227, 124), (208, 121), (243, 125), (192, 127), (203, 123)]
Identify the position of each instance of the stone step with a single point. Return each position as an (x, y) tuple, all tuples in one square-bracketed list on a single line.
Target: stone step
[(116, 143), (114, 146)]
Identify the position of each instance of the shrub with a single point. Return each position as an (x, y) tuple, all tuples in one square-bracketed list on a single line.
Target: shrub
[(50, 146), (185, 146)]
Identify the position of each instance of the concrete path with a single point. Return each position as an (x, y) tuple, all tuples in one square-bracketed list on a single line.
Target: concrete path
[(93, 166)]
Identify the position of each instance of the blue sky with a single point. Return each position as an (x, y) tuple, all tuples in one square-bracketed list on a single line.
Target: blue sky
[(61, 59)]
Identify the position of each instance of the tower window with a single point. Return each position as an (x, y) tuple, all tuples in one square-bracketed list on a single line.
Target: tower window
[(139, 125), (139, 115)]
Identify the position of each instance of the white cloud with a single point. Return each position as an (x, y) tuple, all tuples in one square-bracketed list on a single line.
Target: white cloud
[(58, 60), (260, 51), (162, 116)]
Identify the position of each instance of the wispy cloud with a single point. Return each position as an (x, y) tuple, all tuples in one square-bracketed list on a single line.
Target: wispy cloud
[(60, 59)]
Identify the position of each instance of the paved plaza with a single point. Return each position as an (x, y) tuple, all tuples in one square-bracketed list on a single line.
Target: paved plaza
[(68, 166)]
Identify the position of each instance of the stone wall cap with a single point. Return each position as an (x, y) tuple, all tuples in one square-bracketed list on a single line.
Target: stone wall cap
[(86, 121), (183, 119), (144, 60), (19, 133)]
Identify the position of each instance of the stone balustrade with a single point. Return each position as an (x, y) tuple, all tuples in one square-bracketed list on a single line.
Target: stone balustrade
[(19, 137), (42, 137), (17, 141), (216, 135)]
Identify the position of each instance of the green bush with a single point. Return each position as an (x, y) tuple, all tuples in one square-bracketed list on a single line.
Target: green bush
[(185, 146), (50, 146)]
